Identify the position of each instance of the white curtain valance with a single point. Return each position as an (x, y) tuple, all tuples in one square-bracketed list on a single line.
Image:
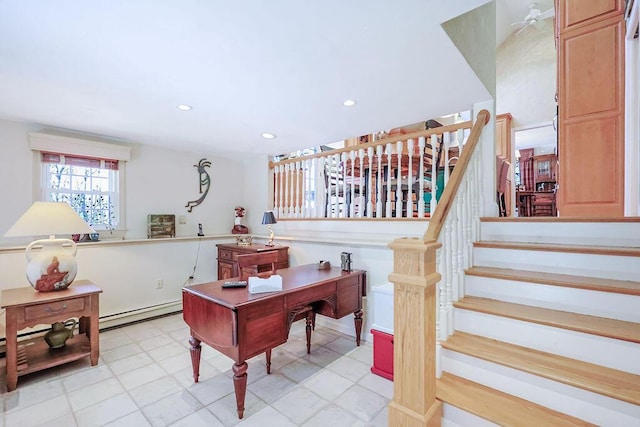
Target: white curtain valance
[(77, 146)]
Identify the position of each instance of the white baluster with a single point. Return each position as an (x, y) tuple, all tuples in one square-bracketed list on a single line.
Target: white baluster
[(445, 141), (389, 172), (434, 173), (276, 182), (281, 191), (410, 180), (343, 175), (421, 207), (399, 202), (297, 187), (336, 204), (370, 187), (361, 187), (352, 204), (379, 183), (287, 190)]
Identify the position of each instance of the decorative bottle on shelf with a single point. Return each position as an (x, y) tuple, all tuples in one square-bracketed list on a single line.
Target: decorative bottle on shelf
[(58, 335)]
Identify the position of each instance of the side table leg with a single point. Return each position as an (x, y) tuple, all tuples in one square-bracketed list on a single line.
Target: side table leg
[(12, 350), (240, 385), (195, 350), (94, 330), (357, 320)]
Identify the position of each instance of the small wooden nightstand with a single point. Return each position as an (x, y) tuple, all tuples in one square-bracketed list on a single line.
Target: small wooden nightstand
[(27, 307), (228, 257)]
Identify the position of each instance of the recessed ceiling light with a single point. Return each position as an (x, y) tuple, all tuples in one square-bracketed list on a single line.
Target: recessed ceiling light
[(349, 103), (268, 135), (185, 107)]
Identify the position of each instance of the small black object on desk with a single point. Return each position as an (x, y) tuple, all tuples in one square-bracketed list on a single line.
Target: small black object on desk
[(235, 284)]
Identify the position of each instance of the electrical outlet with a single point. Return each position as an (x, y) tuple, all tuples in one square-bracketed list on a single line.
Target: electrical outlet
[(159, 284)]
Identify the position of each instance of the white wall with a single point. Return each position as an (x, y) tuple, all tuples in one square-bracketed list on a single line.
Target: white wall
[(158, 180), (526, 76)]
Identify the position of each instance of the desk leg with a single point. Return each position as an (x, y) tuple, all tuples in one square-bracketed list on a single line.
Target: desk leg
[(195, 350), (267, 355), (12, 350), (240, 385), (357, 320)]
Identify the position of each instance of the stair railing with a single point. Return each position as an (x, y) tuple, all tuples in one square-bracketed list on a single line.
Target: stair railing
[(428, 278), (389, 178)]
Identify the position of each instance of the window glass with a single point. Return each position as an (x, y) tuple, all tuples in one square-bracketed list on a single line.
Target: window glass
[(90, 186)]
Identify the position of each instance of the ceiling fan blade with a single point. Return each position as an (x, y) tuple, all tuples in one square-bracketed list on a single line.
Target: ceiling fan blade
[(547, 14)]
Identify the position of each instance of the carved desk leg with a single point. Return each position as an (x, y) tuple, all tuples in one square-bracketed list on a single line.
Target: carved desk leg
[(268, 357), (240, 385), (357, 320), (195, 351)]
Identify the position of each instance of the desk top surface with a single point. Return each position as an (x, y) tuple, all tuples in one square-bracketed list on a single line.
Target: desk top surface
[(27, 295), (293, 278)]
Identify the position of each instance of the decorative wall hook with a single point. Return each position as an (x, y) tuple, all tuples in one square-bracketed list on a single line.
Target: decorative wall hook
[(205, 183)]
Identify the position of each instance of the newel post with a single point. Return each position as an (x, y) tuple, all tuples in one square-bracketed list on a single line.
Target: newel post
[(414, 389)]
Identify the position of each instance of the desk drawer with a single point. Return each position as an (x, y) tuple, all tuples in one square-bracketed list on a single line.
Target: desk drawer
[(310, 295), (222, 254), (351, 280), (52, 308)]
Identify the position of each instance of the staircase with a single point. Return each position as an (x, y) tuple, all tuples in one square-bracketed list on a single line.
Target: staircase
[(548, 333)]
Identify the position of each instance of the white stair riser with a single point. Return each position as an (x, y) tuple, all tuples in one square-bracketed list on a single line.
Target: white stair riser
[(456, 417), (573, 233), (601, 304), (612, 353), (605, 266), (573, 401)]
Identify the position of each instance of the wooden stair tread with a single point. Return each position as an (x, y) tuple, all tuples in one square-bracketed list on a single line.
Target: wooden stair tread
[(524, 219), (565, 280), (498, 407), (598, 379), (611, 328), (558, 247)]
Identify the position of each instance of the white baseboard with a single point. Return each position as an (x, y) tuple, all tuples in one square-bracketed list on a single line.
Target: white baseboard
[(140, 314)]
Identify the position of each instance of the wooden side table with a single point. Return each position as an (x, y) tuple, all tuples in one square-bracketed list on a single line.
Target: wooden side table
[(26, 307)]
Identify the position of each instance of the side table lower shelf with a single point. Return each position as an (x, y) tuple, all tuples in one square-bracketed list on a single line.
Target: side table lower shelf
[(34, 354)]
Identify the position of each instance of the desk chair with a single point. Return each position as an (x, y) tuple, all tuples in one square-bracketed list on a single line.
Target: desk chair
[(263, 264)]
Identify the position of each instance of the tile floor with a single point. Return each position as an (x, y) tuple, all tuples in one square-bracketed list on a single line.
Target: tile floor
[(144, 378)]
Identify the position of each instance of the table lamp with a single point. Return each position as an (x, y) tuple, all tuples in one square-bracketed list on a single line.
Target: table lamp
[(53, 267), (267, 219)]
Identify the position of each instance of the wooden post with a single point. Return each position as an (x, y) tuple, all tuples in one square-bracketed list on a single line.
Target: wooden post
[(414, 389)]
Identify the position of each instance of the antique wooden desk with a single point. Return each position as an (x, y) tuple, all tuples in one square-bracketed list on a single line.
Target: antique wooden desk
[(27, 307), (242, 325)]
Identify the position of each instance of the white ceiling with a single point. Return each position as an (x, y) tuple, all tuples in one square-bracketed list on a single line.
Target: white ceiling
[(119, 68)]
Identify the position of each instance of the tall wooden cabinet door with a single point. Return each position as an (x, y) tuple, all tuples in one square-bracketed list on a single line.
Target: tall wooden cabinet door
[(504, 148), (591, 107)]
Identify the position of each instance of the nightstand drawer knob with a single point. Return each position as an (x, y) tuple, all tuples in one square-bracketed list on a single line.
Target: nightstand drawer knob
[(63, 308)]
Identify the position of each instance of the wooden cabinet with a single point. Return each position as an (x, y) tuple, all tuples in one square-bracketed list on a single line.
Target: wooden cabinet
[(504, 148), (591, 107), (544, 171), (228, 257)]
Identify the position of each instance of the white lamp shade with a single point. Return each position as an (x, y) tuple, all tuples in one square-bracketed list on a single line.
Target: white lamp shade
[(51, 262), (49, 218)]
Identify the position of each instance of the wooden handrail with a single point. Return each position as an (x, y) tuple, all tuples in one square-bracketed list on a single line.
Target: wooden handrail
[(390, 139), (446, 200)]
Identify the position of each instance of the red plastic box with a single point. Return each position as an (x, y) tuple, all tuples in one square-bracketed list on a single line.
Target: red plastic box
[(382, 354)]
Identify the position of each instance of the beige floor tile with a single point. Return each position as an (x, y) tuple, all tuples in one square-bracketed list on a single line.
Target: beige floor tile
[(299, 404), (365, 404), (39, 413), (28, 395), (349, 368), (171, 409), (135, 378), (270, 387), (226, 409), (377, 384), (155, 342), (120, 352), (87, 396), (106, 411), (155, 390), (130, 363), (327, 384), (134, 419), (201, 418), (266, 417), (331, 415), (212, 389)]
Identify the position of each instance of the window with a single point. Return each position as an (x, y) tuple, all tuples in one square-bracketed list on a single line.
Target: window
[(86, 173), (89, 185)]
